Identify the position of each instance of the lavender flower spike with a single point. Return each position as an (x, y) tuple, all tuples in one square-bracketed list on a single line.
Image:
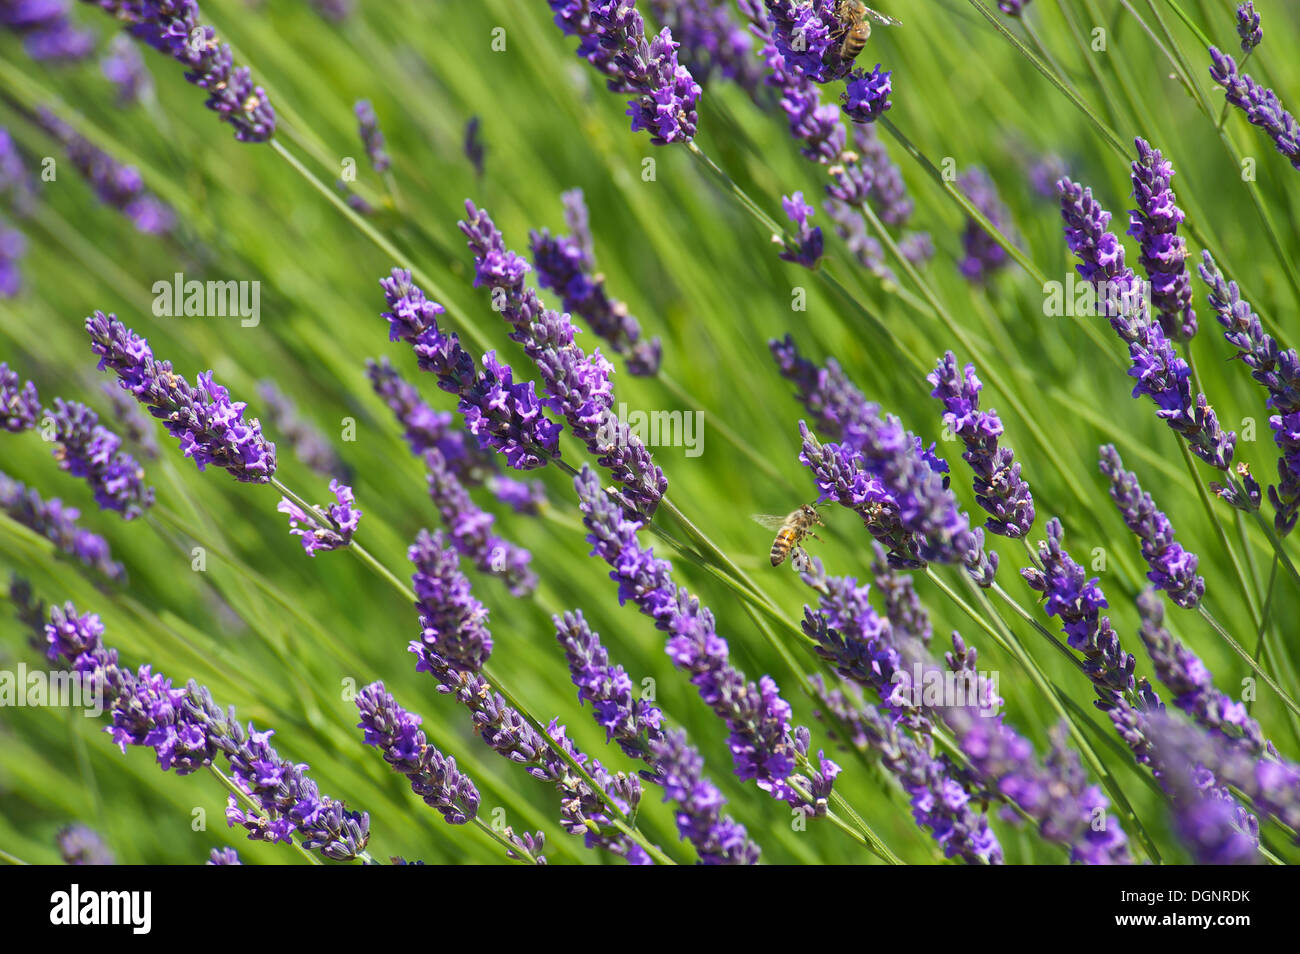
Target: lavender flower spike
[(187, 731), (866, 95), (315, 535), (371, 137), (47, 32), (762, 742), (983, 256), (1160, 372), (1173, 569), (1186, 677), (806, 250), (1248, 28), (1260, 104), (58, 524), (453, 623), (999, 488), (20, 405), (86, 449), (673, 763), (474, 145), (502, 414), (710, 41), (173, 27), (577, 384), (1277, 370), (210, 427), (433, 776), (566, 265), (123, 67), (613, 40), (1154, 223), (223, 856)]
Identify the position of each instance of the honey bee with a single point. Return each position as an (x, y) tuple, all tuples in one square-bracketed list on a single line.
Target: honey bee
[(856, 18), (790, 530)]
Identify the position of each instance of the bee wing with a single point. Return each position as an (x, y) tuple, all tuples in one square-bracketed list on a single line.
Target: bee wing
[(770, 520), (883, 17)]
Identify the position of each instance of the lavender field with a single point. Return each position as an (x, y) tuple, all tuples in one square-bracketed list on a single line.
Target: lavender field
[(388, 390)]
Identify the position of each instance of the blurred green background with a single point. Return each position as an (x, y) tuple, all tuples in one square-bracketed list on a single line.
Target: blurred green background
[(282, 637)]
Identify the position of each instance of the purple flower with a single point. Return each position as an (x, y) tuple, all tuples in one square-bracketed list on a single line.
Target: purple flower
[(999, 488), (123, 67), (474, 145), (613, 40), (20, 405), (673, 763), (1248, 28), (1260, 104), (567, 265), (1013, 8), (187, 731), (210, 427), (982, 254), (1192, 685), (371, 137), (117, 186), (1045, 172), (309, 444), (503, 415), (577, 384), (172, 27), (470, 529), (1161, 374), (631, 722), (866, 95), (335, 11), (433, 776), (135, 426), (583, 811), (86, 449), (807, 37), (710, 40), (47, 32), (1154, 223), (80, 845), (761, 741), (1173, 569), (58, 524), (453, 623), (521, 496), (814, 123), (1277, 370), (223, 856), (316, 535), (807, 249)]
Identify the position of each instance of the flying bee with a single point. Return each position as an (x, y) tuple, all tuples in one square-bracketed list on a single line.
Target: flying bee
[(856, 18), (790, 530)]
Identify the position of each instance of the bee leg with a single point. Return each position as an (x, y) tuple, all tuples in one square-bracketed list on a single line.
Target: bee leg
[(799, 560)]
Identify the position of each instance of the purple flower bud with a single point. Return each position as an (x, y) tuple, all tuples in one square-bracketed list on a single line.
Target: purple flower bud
[(1277, 370), (1173, 569), (433, 776), (613, 40), (20, 405), (474, 145), (1260, 104), (123, 67), (1013, 8), (223, 856), (172, 27), (999, 488), (807, 250), (1154, 223), (315, 535), (80, 845), (983, 255), (210, 427), (566, 265), (1248, 28), (118, 186), (710, 40), (371, 137), (86, 449), (47, 32), (452, 622), (12, 248), (58, 524), (866, 95)]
